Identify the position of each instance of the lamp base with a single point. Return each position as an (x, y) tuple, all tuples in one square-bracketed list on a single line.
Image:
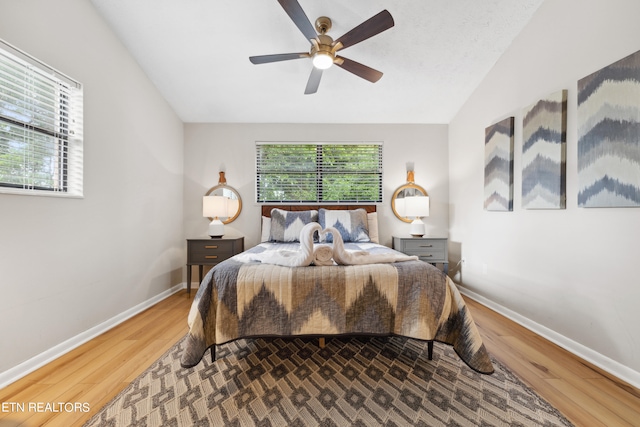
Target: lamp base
[(216, 228), (417, 228)]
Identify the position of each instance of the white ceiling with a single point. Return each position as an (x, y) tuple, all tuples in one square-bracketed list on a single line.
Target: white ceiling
[(196, 52)]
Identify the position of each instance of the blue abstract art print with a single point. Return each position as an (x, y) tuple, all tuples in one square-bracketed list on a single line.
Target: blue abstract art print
[(544, 148), (498, 166), (609, 135)]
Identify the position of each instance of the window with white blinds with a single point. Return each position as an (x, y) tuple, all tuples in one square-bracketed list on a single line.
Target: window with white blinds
[(318, 172), (41, 146)]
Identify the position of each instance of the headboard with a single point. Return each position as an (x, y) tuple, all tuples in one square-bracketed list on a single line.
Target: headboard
[(266, 209), (373, 220)]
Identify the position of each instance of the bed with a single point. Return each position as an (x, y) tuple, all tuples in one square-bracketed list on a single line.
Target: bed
[(251, 296)]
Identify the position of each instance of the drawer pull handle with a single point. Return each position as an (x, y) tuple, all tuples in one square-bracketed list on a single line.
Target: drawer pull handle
[(426, 246), (426, 256), (211, 247), (211, 256)]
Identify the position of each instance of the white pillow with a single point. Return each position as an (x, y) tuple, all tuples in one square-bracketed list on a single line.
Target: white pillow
[(266, 229), (372, 219)]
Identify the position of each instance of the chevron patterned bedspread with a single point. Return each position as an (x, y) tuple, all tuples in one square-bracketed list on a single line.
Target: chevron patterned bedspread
[(240, 298)]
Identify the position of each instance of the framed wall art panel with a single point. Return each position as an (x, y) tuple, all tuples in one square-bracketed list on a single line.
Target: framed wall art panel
[(544, 148), (609, 135), (498, 166)]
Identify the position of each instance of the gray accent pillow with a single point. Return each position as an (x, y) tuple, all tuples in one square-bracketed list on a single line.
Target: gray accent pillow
[(286, 225), (353, 225)]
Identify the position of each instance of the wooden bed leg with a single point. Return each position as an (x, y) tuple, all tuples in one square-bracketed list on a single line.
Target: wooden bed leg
[(321, 342), (213, 353), (430, 349)]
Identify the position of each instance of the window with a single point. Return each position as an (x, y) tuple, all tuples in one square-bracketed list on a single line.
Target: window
[(318, 172), (40, 127)]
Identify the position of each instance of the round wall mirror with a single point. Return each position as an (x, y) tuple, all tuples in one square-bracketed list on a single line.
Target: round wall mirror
[(406, 190), (233, 196)]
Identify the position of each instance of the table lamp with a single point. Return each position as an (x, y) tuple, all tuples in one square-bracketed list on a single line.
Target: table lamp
[(215, 207), (417, 207)]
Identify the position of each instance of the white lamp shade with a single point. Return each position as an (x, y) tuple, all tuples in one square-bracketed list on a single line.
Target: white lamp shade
[(416, 206), (215, 206)]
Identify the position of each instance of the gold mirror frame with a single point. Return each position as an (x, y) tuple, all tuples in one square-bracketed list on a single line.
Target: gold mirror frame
[(232, 193), (402, 189)]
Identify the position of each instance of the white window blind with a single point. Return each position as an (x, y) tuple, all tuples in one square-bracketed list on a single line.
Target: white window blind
[(319, 172), (41, 144)]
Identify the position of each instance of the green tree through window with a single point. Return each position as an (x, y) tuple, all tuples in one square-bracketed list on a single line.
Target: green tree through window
[(319, 172), (40, 125)]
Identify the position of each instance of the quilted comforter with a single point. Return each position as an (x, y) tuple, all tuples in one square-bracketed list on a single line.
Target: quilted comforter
[(242, 298)]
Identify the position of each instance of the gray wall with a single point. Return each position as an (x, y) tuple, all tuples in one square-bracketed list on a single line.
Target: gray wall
[(208, 146), (69, 264), (569, 274)]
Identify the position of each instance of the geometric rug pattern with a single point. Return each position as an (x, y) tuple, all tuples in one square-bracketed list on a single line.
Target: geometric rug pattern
[(352, 381)]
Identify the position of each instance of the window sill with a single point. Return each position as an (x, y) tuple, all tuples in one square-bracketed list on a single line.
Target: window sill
[(24, 192)]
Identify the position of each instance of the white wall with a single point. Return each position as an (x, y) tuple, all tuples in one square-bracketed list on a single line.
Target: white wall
[(573, 271), (208, 146), (67, 265)]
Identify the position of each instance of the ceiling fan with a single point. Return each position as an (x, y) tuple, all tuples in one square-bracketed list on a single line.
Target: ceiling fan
[(323, 47)]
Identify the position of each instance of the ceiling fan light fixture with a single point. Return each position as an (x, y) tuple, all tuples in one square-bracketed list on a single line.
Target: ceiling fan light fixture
[(322, 60)]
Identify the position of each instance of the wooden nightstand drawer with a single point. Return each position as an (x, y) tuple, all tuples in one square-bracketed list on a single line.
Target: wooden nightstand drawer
[(210, 252), (202, 251), (430, 249)]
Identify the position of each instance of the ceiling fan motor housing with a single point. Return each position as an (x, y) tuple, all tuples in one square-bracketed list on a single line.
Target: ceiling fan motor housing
[(323, 44)]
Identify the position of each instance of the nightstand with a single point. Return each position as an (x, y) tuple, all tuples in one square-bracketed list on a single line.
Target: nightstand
[(211, 251), (430, 249)]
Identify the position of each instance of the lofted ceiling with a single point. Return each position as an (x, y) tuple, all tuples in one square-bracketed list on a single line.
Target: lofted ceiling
[(197, 54)]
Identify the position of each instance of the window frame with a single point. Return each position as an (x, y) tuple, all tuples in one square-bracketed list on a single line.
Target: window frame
[(321, 173), (58, 140)]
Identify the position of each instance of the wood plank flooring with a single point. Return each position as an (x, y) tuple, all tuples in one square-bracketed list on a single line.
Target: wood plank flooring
[(98, 370), (583, 393)]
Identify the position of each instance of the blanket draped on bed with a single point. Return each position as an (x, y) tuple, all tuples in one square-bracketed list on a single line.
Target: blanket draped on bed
[(411, 298), (307, 253)]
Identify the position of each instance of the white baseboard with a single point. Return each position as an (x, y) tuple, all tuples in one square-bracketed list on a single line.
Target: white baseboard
[(17, 372), (616, 369)]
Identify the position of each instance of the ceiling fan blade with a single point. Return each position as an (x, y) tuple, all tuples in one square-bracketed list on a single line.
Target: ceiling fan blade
[(358, 69), (297, 15), (369, 28), (264, 59), (314, 81)]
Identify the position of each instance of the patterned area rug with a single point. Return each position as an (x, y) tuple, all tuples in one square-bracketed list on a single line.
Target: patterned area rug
[(351, 382)]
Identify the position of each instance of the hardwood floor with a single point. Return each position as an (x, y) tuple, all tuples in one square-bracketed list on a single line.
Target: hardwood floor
[(98, 370), (94, 373), (584, 394)]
